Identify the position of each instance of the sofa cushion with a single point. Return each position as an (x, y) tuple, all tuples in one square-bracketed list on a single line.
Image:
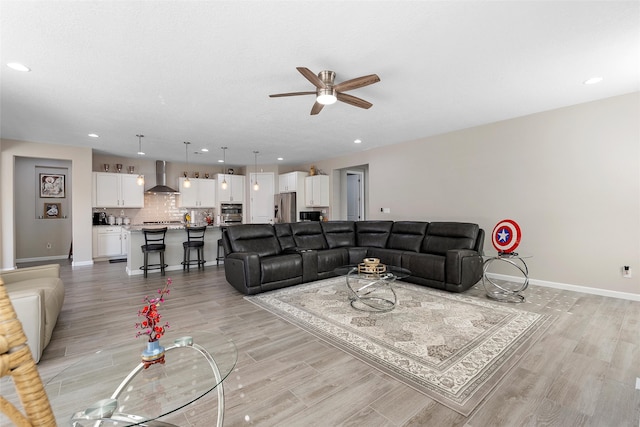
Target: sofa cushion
[(442, 236), (280, 267), (284, 235), (258, 238), (373, 233), (386, 256), (53, 290), (425, 265), (308, 235), (407, 235), (330, 259), (339, 234)]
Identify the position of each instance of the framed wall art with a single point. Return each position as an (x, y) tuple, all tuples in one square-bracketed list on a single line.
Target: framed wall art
[(52, 186), (52, 210)]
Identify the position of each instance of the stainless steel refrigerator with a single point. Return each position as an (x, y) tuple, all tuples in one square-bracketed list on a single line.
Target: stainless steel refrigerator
[(285, 207)]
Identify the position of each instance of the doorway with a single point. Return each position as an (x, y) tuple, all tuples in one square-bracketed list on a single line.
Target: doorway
[(42, 208), (355, 195)]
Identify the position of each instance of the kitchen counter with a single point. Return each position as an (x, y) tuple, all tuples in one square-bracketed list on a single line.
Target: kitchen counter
[(172, 226), (173, 255)]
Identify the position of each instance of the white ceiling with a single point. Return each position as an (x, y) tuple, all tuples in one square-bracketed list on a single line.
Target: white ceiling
[(201, 71)]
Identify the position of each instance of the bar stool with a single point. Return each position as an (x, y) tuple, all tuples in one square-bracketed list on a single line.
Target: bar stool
[(219, 256), (220, 249), (153, 242), (195, 240)]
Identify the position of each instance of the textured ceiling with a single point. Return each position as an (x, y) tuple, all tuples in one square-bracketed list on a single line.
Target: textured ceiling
[(202, 71)]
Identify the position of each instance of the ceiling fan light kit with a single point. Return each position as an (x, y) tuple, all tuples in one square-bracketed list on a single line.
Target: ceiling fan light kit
[(326, 96), (328, 93)]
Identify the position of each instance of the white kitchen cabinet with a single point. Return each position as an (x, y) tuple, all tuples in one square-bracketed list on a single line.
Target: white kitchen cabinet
[(234, 193), (108, 241), (316, 191), (114, 190), (201, 194), (292, 181)]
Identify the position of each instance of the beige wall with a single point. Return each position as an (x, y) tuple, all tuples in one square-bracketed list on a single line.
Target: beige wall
[(80, 184), (570, 177)]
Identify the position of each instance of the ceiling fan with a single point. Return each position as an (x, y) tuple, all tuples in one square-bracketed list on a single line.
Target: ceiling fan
[(327, 92)]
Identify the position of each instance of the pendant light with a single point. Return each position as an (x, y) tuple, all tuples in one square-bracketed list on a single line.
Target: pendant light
[(140, 178), (224, 184), (186, 183), (256, 186)]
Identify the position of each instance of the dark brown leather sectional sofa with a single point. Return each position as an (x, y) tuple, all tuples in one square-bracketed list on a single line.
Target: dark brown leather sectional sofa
[(263, 257)]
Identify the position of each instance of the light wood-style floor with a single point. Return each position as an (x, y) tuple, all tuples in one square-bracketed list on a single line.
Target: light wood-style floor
[(583, 372)]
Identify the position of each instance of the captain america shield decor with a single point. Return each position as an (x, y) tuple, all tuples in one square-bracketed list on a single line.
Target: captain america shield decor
[(506, 236)]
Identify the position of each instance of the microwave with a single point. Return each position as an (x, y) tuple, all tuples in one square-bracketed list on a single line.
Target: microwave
[(310, 215)]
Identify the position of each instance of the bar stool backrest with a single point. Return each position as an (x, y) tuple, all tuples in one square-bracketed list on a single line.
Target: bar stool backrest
[(196, 234), (154, 237)]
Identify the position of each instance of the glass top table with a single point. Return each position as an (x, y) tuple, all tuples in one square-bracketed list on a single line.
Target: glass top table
[(372, 291), (506, 291), (112, 387)]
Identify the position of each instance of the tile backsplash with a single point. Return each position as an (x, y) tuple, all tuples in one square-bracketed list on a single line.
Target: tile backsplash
[(157, 207)]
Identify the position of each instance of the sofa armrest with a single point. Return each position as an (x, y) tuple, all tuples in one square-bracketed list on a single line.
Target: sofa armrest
[(242, 270), (37, 272), (463, 267), (30, 310)]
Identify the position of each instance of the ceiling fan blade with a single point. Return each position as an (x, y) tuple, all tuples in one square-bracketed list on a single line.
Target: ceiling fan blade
[(276, 95), (317, 107), (352, 100), (357, 83), (309, 75)]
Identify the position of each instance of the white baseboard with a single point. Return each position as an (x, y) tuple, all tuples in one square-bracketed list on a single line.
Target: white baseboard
[(567, 287), (81, 263), (42, 258)]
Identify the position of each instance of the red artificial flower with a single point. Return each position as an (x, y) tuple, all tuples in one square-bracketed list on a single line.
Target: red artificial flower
[(151, 325)]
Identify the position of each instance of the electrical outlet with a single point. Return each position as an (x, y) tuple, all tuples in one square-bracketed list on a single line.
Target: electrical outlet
[(48, 245), (626, 272)]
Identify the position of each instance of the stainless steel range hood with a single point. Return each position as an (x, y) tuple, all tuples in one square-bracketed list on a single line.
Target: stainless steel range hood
[(161, 180)]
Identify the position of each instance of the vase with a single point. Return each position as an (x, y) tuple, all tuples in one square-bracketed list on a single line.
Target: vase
[(153, 353)]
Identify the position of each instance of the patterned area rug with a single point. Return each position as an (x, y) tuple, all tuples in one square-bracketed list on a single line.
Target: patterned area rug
[(451, 347)]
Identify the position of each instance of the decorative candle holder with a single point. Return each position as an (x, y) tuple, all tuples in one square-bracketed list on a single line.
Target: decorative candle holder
[(118, 167), (131, 169), (206, 175), (196, 174), (184, 174), (106, 167)]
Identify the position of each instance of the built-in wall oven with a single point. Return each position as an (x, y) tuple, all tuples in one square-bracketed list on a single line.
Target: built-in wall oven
[(231, 213)]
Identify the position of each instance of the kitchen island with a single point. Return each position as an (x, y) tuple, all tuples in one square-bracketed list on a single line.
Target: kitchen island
[(173, 256)]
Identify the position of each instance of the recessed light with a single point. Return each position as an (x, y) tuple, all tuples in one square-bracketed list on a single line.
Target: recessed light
[(357, 141), (18, 67), (593, 80), (94, 135), (220, 161), (204, 150), (280, 158)]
